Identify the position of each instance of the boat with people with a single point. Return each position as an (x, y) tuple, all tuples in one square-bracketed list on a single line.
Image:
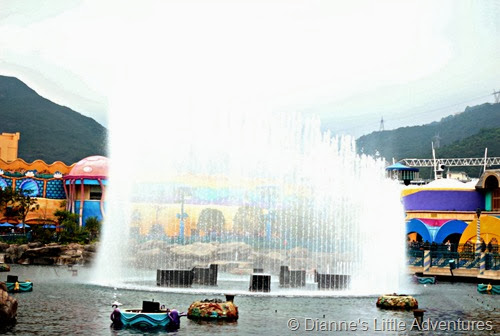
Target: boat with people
[(151, 316)]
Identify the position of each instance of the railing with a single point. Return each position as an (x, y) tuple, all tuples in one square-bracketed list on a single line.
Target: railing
[(465, 248), (12, 237), (464, 259)]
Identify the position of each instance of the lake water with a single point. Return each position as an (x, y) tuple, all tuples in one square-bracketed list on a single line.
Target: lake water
[(61, 304)]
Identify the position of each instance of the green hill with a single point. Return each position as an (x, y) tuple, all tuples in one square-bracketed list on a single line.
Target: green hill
[(461, 135), (49, 132)]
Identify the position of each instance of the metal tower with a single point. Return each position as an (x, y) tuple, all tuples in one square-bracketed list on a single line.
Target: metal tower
[(496, 94)]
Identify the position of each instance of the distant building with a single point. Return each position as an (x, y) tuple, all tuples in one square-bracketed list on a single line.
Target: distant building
[(79, 187), (445, 210), (461, 176), (42, 180), (399, 171), (9, 146), (85, 186)]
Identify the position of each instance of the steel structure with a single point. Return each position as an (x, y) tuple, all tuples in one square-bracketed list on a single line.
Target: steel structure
[(458, 162)]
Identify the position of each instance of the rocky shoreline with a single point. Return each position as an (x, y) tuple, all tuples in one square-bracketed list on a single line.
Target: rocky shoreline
[(48, 254), (8, 306)]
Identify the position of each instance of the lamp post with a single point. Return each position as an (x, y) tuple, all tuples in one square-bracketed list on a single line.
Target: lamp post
[(183, 196), (269, 193), (478, 231)]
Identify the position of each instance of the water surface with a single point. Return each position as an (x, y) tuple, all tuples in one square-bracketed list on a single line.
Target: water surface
[(61, 304)]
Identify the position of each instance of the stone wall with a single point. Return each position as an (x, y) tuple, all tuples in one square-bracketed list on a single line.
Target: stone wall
[(48, 254)]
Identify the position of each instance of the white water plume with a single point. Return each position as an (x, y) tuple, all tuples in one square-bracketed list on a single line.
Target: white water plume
[(319, 204)]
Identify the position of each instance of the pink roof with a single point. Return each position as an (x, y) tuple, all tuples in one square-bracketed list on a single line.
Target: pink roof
[(92, 166)]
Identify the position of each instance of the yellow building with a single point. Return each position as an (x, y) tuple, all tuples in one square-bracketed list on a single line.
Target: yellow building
[(9, 146)]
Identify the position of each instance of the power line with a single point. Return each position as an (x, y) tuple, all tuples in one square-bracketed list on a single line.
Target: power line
[(424, 112)]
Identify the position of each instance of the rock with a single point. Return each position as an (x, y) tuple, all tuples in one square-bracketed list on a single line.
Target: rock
[(44, 261), (15, 252), (88, 257), (4, 247), (49, 254), (271, 261), (4, 268), (237, 251), (34, 245), (90, 247), (200, 252), (298, 252), (46, 251), (8, 306)]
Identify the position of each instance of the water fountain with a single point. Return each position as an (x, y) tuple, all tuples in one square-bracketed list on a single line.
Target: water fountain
[(194, 183), (248, 191)]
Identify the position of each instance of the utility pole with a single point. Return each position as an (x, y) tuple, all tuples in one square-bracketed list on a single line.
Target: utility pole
[(496, 94), (437, 140)]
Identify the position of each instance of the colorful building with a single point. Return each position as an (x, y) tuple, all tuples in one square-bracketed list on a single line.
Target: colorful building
[(58, 186), (85, 187), (39, 179), (445, 210)]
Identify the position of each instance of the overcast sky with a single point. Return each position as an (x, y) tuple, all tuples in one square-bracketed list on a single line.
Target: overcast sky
[(350, 62)]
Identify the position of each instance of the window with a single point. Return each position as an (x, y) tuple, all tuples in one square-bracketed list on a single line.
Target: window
[(495, 200), (95, 193)]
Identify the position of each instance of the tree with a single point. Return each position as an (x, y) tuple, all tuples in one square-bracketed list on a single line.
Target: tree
[(93, 226), (211, 220), (248, 219), (70, 223), (7, 198), (25, 204)]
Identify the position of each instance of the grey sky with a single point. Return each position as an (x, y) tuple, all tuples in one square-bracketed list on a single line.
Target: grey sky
[(350, 62)]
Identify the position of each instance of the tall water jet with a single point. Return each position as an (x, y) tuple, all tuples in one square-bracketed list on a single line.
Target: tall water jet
[(202, 172), (247, 190)]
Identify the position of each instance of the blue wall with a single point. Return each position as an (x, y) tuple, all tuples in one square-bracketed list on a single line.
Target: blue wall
[(90, 209)]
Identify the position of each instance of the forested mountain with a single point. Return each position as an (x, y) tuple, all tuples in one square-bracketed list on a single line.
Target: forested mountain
[(461, 135), (49, 131)]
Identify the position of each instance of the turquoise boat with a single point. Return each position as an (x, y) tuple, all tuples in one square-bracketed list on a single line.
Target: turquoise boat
[(488, 289), (150, 317), (135, 318), (426, 280), (18, 287)]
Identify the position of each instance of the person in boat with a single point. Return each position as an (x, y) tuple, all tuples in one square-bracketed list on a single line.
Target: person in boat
[(175, 319), (116, 316)]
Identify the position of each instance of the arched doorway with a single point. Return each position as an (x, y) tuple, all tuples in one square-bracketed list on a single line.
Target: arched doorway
[(414, 237), (454, 239)]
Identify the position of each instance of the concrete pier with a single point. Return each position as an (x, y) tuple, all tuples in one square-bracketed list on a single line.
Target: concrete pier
[(292, 278), (333, 281), (174, 278), (206, 276), (260, 282)]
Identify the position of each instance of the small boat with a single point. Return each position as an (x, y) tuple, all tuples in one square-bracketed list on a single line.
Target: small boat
[(426, 280), (151, 316), (488, 289), (16, 286), (214, 310), (397, 301)]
